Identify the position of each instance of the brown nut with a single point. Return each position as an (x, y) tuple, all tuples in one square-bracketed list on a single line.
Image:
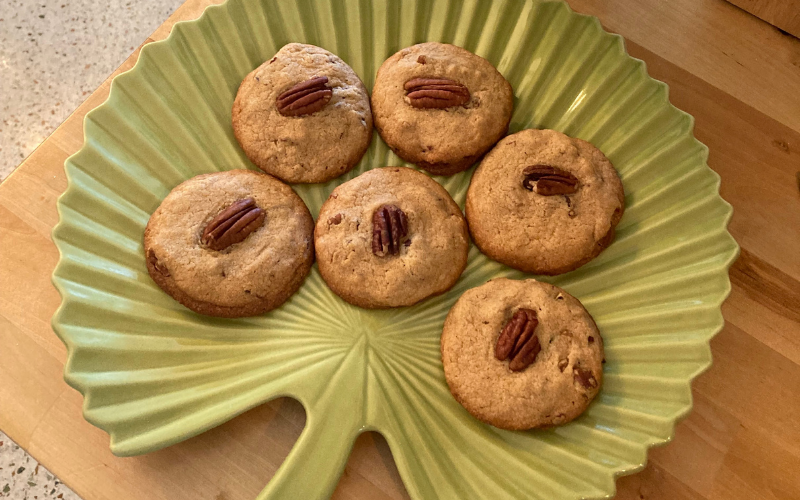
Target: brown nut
[(518, 341), (233, 224), (305, 98), (389, 230), (435, 93), (584, 377), (549, 181), (157, 265)]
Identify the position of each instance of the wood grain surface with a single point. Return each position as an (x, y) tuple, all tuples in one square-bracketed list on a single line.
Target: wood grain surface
[(738, 76), (785, 14)]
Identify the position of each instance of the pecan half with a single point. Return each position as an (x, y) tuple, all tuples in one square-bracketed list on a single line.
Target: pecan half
[(389, 230), (305, 98), (549, 181), (584, 377), (435, 93), (518, 341), (233, 224)]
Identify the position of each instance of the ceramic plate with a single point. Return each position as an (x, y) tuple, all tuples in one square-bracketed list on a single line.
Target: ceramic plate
[(153, 373)]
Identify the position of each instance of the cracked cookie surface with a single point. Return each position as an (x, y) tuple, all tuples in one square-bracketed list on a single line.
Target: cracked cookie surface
[(516, 219), (246, 278), (419, 249), (309, 148), (441, 141), (555, 388)]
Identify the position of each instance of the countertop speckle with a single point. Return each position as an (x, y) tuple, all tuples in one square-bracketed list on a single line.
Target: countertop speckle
[(22, 478), (54, 53)]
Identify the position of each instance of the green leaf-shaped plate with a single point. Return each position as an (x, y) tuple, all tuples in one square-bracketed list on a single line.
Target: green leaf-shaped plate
[(153, 373)]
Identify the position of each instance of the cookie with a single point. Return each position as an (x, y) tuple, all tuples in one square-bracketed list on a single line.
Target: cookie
[(390, 237), (440, 106), (303, 116), (230, 244), (543, 202), (521, 354)]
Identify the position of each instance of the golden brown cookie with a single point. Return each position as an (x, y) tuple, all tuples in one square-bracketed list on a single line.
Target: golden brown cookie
[(521, 354), (543, 202), (230, 244), (440, 106), (390, 237), (303, 116)]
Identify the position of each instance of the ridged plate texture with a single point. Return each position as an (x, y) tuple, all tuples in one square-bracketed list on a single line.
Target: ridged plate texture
[(154, 373)]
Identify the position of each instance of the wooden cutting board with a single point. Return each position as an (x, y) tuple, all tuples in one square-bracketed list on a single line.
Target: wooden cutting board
[(738, 76)]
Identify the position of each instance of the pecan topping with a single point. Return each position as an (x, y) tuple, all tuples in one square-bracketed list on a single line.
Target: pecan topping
[(305, 98), (435, 93), (158, 266), (389, 230), (518, 341), (584, 377), (549, 181), (233, 224)]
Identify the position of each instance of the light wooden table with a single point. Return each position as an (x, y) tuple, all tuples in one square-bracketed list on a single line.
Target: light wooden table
[(737, 75)]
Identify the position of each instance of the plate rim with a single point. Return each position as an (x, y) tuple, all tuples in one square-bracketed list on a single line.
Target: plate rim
[(732, 253)]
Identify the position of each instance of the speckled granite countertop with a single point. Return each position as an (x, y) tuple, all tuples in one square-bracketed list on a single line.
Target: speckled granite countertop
[(22, 478), (53, 54)]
